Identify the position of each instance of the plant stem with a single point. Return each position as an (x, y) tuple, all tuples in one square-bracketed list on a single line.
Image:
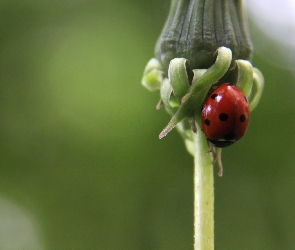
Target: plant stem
[(204, 194)]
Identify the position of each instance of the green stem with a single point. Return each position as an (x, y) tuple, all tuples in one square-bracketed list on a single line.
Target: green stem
[(204, 194)]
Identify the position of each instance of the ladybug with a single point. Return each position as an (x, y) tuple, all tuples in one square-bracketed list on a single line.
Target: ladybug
[(225, 116)]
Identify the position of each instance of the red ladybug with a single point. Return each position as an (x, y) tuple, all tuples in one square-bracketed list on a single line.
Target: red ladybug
[(225, 116)]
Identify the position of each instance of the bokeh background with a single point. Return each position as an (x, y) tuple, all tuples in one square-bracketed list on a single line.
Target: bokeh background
[(81, 165)]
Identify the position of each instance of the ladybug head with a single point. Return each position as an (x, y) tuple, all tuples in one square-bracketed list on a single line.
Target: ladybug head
[(221, 143)]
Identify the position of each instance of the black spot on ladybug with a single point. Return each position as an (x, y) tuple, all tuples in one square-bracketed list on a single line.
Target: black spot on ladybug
[(207, 122), (242, 118), (229, 137), (223, 117), (214, 96)]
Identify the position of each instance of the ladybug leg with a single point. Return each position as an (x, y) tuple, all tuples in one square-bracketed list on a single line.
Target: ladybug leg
[(218, 160), (211, 151), (216, 153)]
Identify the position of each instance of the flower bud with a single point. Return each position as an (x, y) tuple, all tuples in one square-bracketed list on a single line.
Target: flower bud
[(195, 29)]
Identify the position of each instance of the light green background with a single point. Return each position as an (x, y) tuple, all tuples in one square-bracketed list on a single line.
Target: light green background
[(81, 166)]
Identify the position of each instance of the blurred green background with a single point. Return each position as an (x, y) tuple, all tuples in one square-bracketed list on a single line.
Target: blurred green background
[(81, 165)]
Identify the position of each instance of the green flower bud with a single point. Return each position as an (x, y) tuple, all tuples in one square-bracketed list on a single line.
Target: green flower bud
[(195, 29)]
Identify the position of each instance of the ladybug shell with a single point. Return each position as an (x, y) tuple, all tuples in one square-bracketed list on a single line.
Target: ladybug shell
[(225, 116)]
